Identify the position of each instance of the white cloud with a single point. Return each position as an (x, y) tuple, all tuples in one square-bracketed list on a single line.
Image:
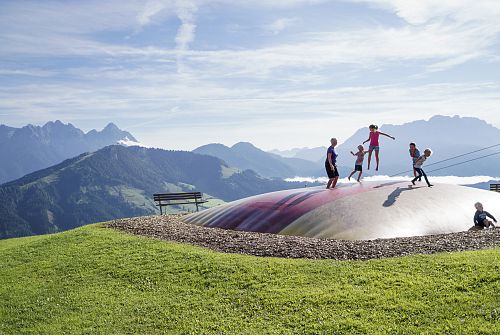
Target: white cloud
[(366, 48), (31, 72), (442, 44), (423, 11), (280, 24), (151, 8), (126, 142), (186, 11)]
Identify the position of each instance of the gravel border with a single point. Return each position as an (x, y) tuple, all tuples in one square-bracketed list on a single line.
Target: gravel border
[(171, 228)]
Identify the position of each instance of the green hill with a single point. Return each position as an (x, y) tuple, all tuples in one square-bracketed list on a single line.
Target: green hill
[(94, 280), (117, 182)]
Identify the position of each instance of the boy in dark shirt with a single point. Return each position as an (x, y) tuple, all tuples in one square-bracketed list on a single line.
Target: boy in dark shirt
[(480, 218)]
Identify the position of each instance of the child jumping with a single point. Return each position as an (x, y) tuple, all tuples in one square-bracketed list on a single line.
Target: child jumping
[(418, 167), (414, 154), (480, 218), (358, 166), (374, 144)]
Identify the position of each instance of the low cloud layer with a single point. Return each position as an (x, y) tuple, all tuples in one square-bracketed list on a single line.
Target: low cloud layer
[(455, 180)]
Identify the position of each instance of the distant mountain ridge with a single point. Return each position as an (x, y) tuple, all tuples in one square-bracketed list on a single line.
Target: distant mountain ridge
[(446, 136), (310, 154), (244, 155), (31, 148), (116, 182)]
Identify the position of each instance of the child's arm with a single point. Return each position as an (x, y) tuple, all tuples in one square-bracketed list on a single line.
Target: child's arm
[(381, 133), (490, 216)]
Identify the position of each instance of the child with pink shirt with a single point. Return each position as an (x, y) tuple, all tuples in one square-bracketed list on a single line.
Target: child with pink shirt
[(374, 143)]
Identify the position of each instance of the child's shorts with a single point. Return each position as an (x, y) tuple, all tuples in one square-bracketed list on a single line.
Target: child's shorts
[(358, 168)]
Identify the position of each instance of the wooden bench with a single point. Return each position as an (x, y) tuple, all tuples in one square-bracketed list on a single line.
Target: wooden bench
[(495, 187), (171, 199)]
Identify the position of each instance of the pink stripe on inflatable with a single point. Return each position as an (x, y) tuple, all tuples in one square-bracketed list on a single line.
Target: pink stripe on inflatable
[(272, 212)]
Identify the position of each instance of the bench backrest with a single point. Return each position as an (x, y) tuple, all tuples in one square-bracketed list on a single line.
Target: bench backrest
[(177, 196), (495, 187)]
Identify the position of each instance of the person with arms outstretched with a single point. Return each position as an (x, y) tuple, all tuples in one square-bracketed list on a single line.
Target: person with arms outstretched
[(374, 143), (330, 164), (358, 166)]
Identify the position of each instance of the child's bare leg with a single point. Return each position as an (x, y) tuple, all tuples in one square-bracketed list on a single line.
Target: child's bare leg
[(369, 158), (359, 176), (349, 178), (376, 158)]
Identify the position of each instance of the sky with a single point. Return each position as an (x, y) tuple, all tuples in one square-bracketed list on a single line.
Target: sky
[(279, 74)]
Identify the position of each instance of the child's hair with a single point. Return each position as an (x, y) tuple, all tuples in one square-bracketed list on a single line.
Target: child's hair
[(478, 204), (360, 147), (373, 126), (428, 150), (413, 144)]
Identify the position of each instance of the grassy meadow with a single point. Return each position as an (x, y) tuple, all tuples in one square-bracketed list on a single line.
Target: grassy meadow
[(94, 280)]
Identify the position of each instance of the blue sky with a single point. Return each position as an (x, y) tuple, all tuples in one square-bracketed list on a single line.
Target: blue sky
[(280, 74)]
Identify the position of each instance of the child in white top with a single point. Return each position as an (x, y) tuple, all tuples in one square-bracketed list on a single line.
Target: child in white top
[(418, 167)]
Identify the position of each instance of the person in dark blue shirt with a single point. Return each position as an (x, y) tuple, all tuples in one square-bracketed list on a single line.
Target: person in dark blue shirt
[(481, 217), (330, 165)]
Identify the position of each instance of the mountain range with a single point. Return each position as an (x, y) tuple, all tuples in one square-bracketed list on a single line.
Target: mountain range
[(31, 148), (310, 154), (244, 155), (116, 182), (446, 136)]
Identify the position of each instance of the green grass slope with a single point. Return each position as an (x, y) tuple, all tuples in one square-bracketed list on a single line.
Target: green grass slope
[(94, 280)]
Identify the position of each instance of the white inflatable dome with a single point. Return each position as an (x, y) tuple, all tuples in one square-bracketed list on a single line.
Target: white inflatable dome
[(355, 211)]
